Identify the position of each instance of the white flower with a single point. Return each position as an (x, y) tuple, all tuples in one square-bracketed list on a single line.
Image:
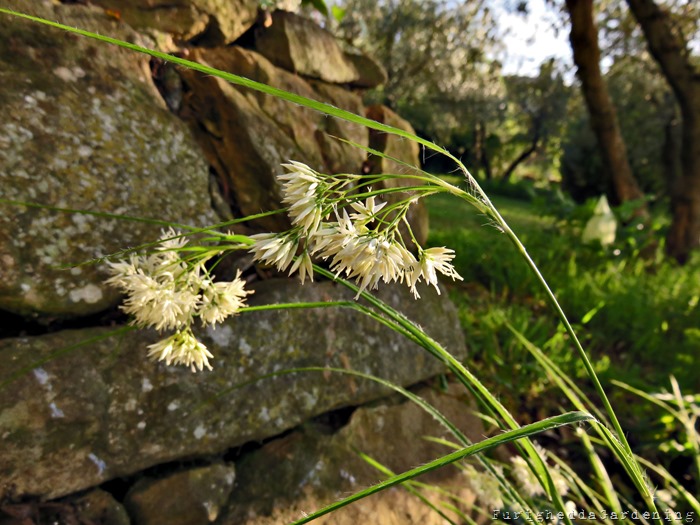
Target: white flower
[(171, 242), (161, 307), (372, 259), (334, 236), (560, 482), (275, 249), (221, 299), (366, 212), (527, 480), (571, 509), (304, 265), (162, 291), (181, 348), (303, 191), (122, 271), (167, 292), (369, 258), (279, 250), (361, 253), (665, 496), (431, 261), (155, 297), (485, 486)]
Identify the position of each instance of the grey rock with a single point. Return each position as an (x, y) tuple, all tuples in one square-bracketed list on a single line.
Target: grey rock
[(190, 497), (297, 44), (98, 506), (212, 22), (310, 468), (85, 406), (83, 128)]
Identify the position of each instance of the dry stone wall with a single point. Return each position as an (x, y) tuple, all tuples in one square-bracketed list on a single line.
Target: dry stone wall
[(83, 128), (132, 141)]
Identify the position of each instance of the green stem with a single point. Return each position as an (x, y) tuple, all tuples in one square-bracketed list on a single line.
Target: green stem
[(469, 380), (511, 435), (631, 466)]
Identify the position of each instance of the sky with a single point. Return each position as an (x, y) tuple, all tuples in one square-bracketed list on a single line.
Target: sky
[(531, 39)]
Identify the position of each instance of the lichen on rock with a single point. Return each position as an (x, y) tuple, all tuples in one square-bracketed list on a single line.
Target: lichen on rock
[(84, 129)]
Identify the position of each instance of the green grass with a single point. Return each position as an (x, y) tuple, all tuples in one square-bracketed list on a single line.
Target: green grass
[(639, 318)]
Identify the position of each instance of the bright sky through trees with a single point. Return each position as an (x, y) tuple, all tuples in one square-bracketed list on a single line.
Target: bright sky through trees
[(530, 39)]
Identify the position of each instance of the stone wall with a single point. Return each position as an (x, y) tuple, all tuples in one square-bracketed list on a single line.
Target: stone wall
[(91, 127)]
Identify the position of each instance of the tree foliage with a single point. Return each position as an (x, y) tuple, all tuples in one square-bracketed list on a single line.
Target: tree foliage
[(648, 120), (444, 77), (436, 53)]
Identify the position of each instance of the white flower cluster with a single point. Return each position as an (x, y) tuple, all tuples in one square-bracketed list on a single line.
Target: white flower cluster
[(167, 292), (527, 479), (485, 486), (363, 245)]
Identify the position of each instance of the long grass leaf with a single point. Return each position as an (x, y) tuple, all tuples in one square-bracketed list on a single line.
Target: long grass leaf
[(569, 418)]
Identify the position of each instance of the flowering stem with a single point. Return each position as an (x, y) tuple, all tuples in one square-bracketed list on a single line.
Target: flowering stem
[(469, 380), (294, 306), (431, 189), (628, 462)]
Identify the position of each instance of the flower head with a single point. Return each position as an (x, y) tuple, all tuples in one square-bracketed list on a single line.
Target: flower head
[(181, 348), (162, 290), (167, 292), (222, 299), (367, 211), (485, 486), (303, 191), (304, 265), (361, 253), (526, 478), (160, 302), (363, 243), (275, 249), (431, 261)]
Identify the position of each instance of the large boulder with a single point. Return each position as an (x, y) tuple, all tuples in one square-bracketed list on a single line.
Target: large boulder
[(244, 146), (298, 44), (247, 135), (314, 466), (210, 22), (83, 129), (339, 156), (81, 407)]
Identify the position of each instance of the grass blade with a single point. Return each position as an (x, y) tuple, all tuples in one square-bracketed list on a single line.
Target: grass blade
[(569, 418)]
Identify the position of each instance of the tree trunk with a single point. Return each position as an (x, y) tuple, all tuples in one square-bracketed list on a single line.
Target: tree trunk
[(536, 127), (671, 152), (668, 48), (584, 44), (519, 160)]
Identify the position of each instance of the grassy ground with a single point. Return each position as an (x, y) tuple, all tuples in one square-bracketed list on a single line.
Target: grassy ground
[(638, 317)]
